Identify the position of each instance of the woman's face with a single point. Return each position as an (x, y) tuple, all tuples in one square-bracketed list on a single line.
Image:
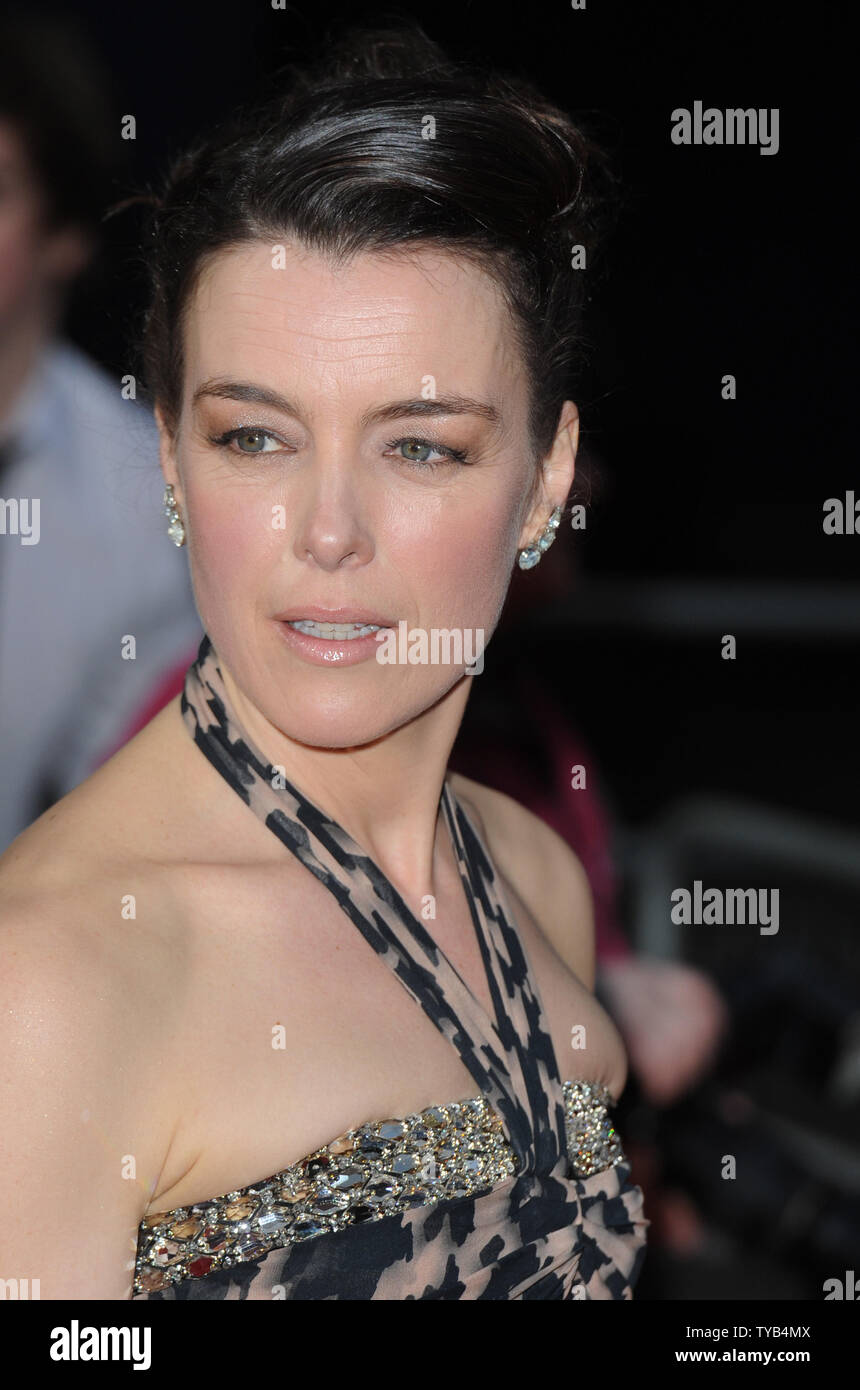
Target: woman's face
[(309, 464)]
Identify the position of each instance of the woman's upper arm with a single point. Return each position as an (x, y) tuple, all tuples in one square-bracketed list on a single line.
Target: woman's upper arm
[(72, 1187), (561, 897)]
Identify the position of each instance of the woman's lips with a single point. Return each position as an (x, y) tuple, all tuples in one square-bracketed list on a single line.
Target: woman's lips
[(317, 614), (330, 651)]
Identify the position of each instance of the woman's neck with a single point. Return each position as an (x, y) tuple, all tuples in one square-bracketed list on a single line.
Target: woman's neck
[(384, 794)]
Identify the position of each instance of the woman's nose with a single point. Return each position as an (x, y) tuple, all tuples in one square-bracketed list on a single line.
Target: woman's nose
[(332, 524)]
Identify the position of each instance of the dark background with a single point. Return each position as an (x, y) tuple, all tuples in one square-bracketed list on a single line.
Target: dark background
[(723, 260)]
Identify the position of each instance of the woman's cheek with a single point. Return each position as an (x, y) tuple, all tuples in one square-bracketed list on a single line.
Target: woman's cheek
[(229, 550), (478, 565), (458, 556)]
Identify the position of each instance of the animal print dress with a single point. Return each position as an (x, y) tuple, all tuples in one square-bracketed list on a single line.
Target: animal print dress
[(520, 1190)]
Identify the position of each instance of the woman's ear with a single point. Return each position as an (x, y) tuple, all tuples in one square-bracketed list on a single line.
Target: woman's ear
[(555, 479), (166, 448)]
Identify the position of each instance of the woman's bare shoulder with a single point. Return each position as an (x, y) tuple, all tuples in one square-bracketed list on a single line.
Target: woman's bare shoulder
[(114, 818), (85, 1021), (75, 869), (83, 891), (542, 868)]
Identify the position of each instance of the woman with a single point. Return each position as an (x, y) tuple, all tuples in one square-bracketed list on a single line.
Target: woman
[(360, 338)]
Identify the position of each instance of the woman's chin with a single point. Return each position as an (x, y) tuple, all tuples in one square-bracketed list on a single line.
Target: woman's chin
[(336, 733), (352, 721)]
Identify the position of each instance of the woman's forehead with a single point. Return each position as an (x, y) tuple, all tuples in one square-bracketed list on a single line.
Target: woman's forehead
[(279, 307), (287, 280)]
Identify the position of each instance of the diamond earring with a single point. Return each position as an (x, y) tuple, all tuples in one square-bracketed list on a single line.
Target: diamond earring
[(176, 529), (529, 557)]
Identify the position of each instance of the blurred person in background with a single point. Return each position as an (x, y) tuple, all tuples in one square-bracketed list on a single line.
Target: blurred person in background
[(84, 561)]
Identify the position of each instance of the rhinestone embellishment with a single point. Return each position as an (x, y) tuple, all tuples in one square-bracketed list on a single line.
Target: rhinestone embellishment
[(593, 1143), (374, 1171), (529, 557), (176, 529)]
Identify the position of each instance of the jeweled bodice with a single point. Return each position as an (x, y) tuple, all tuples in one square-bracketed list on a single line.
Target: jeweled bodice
[(380, 1168)]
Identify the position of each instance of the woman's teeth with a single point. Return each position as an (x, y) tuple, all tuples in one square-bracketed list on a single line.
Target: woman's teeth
[(340, 632)]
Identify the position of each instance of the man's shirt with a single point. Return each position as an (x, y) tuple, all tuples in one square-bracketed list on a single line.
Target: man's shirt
[(85, 565)]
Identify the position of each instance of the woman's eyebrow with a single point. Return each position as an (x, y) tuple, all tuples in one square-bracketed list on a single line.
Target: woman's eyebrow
[(416, 406)]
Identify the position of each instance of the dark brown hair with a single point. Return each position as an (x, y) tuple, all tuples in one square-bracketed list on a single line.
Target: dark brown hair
[(337, 158)]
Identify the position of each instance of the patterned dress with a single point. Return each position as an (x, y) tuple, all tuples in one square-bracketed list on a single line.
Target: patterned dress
[(518, 1191)]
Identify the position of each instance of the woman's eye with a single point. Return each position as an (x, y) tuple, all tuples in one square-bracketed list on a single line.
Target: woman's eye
[(248, 440), (253, 441), (419, 448)]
